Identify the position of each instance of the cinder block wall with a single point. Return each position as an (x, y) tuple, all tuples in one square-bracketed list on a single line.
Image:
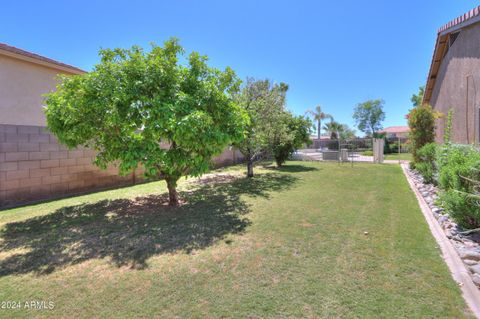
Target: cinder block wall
[(34, 166)]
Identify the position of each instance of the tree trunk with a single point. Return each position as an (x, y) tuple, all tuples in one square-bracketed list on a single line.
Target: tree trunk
[(319, 131), (250, 167), (172, 191), (279, 162)]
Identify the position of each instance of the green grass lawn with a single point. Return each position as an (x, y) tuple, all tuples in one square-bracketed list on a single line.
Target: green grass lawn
[(288, 243), (401, 156)]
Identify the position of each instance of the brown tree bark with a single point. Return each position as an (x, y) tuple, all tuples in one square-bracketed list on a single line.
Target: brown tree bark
[(173, 199), (249, 167)]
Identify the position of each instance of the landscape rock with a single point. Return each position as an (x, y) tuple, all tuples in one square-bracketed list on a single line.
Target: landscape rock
[(476, 279), (448, 234), (470, 254), (443, 219), (470, 262), (469, 243), (475, 269), (467, 247)]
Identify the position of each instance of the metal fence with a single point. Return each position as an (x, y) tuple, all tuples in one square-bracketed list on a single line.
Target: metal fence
[(349, 150), (360, 145)]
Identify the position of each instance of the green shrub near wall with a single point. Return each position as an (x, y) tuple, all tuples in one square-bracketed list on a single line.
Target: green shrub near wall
[(421, 121), (458, 169), (426, 162), (455, 161), (461, 207)]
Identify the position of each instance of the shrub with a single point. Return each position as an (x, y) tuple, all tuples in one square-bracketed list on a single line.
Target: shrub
[(405, 147), (426, 162), (388, 147), (332, 145), (448, 130), (463, 209), (421, 121), (292, 132), (455, 161), (458, 176)]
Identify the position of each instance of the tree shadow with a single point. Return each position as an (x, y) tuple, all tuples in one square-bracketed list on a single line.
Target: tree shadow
[(292, 168), (129, 231)]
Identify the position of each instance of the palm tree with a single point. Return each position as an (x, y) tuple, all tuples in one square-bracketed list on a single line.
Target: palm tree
[(334, 128), (346, 133), (319, 116)]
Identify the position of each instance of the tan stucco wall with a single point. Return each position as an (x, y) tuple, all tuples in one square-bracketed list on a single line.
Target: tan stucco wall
[(458, 86), (21, 87)]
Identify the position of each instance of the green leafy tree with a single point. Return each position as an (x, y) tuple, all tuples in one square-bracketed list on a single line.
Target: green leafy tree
[(421, 121), (264, 102), (291, 133), (318, 116), (417, 99), (145, 108), (369, 116)]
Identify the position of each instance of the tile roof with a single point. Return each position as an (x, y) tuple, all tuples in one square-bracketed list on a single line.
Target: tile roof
[(471, 17), (17, 51), (396, 129), (461, 19)]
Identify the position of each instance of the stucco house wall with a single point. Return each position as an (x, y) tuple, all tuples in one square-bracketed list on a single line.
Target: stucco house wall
[(21, 87), (33, 165), (457, 86)]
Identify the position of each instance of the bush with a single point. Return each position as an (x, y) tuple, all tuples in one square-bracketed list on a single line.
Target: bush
[(462, 208), (332, 145), (387, 147), (427, 171), (367, 153), (458, 172), (394, 147), (455, 161), (292, 132), (405, 147), (421, 121), (426, 162)]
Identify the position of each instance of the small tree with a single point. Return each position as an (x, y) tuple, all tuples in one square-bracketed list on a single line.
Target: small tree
[(134, 101), (369, 116), (264, 102), (417, 99), (291, 133), (421, 121)]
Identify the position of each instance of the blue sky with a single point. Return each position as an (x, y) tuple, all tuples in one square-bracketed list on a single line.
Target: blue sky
[(332, 53)]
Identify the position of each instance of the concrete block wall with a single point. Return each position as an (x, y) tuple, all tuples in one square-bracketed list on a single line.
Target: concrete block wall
[(34, 166)]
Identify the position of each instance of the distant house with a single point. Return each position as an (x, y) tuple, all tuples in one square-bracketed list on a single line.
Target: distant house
[(396, 131), (454, 77)]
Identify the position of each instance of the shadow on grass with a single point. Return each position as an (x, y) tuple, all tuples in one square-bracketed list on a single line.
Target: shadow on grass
[(292, 168), (128, 232)]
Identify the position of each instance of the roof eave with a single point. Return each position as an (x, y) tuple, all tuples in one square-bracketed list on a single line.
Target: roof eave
[(66, 69), (465, 20)]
